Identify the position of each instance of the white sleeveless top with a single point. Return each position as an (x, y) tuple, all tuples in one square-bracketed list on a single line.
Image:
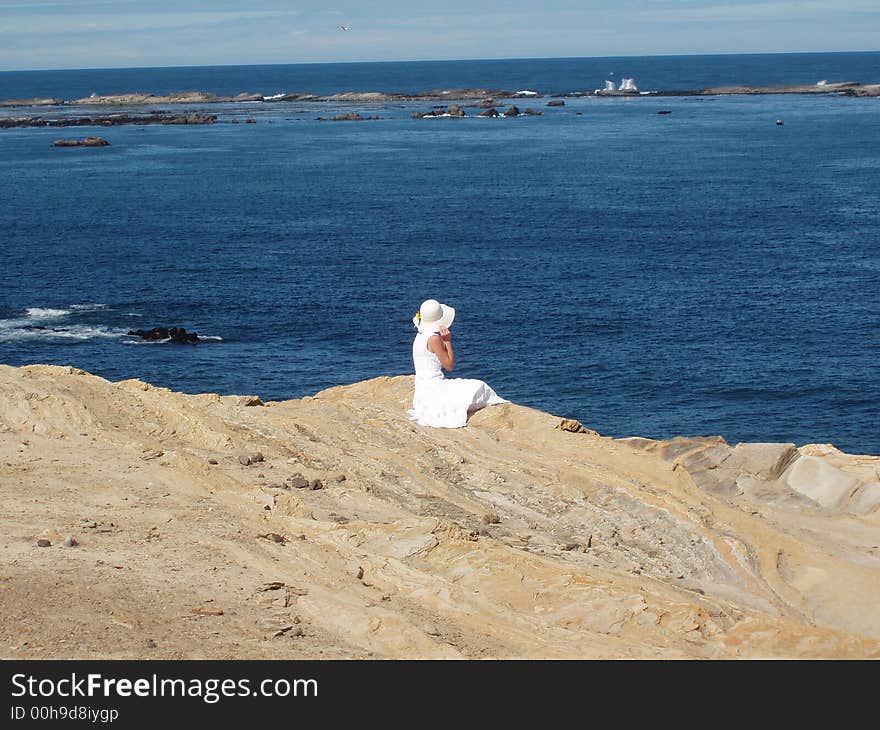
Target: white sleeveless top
[(426, 363)]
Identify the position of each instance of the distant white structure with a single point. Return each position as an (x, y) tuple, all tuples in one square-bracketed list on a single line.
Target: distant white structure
[(821, 83), (609, 85), (627, 85)]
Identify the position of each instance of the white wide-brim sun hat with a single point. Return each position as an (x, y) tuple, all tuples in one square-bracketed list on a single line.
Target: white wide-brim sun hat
[(432, 315)]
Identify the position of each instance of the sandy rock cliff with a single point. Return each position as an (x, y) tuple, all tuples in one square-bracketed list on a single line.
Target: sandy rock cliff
[(136, 522)]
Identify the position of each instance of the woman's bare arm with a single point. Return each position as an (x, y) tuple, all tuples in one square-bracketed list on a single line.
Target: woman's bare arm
[(441, 346)]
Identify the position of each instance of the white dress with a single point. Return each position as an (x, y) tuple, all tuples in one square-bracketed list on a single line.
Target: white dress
[(444, 402)]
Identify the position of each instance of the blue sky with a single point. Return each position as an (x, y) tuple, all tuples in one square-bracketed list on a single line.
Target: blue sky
[(43, 34)]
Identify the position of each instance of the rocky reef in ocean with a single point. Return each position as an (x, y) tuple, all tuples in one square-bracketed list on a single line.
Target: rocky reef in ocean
[(81, 142), (627, 87), (454, 110), (176, 335), (107, 120)]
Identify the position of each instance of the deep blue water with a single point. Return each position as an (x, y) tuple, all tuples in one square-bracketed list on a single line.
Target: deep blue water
[(701, 272), (548, 76)]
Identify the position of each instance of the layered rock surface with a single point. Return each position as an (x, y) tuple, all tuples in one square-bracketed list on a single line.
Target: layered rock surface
[(331, 526)]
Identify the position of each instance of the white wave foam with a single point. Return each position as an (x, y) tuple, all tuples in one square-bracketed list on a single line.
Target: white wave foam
[(41, 313), (74, 332), (146, 342), (526, 92), (275, 96), (88, 307), (212, 338)]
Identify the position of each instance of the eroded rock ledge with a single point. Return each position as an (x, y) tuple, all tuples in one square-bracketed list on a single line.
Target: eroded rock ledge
[(331, 526)]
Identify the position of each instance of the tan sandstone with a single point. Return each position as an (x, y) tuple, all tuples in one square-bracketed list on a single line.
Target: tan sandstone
[(361, 534)]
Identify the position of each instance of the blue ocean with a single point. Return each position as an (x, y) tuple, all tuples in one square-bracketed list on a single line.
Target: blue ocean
[(699, 272)]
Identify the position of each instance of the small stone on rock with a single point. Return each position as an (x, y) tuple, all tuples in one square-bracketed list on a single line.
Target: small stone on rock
[(274, 537), (298, 481), (43, 542), (70, 541), (244, 460)]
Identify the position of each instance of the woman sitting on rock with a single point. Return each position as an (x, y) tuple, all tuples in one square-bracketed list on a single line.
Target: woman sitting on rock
[(439, 401)]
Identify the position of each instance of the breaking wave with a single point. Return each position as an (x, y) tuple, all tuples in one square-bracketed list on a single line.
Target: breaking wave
[(49, 324)]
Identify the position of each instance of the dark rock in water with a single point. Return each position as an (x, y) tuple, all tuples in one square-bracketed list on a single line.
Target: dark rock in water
[(81, 142), (179, 334), (485, 104), (532, 112), (512, 111), (250, 120), (157, 333), (665, 111), (556, 102), (492, 112), (174, 334), (453, 110)]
